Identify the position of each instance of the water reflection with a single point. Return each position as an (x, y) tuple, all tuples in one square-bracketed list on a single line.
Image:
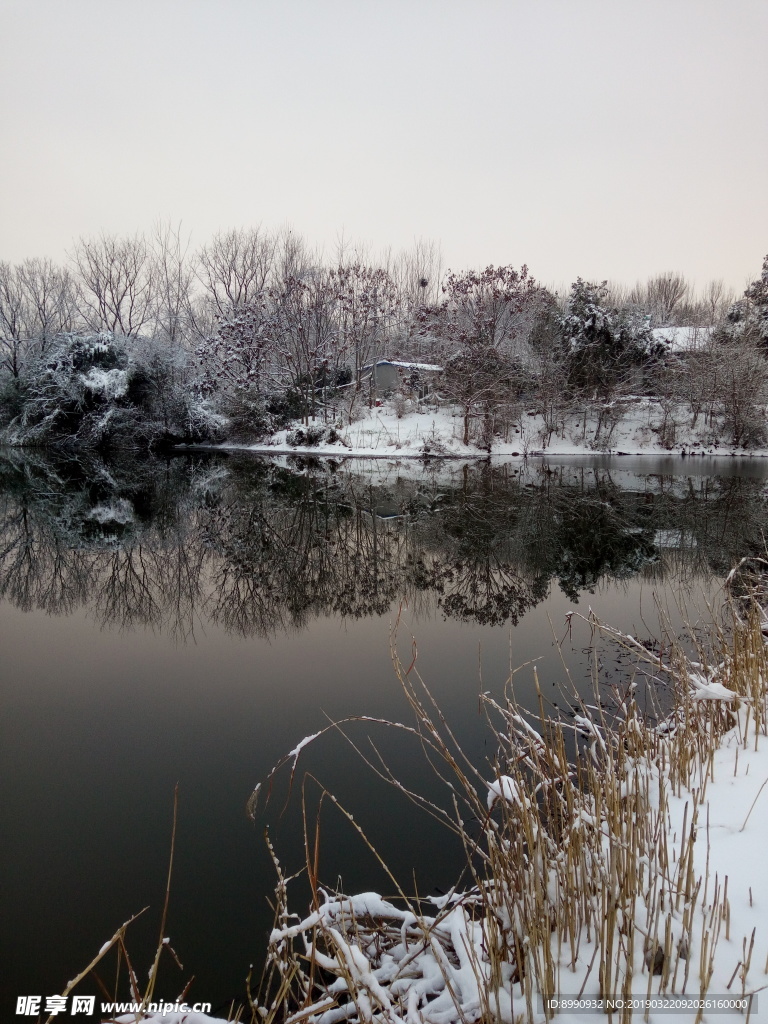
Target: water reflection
[(283, 575), (260, 547)]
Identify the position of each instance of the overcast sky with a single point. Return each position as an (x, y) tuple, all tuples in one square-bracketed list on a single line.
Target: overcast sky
[(601, 138)]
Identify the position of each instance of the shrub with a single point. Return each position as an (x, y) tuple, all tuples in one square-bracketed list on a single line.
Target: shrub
[(247, 412), (306, 437), (93, 392), (285, 406), (311, 437), (11, 398)]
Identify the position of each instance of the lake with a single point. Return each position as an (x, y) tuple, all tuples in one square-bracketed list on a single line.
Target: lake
[(190, 620)]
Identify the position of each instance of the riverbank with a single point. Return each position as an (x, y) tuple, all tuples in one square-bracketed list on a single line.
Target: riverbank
[(634, 426)]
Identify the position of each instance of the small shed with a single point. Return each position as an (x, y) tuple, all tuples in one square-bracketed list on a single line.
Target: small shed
[(390, 375)]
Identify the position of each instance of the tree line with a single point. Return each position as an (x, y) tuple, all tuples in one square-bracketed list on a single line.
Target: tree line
[(140, 342)]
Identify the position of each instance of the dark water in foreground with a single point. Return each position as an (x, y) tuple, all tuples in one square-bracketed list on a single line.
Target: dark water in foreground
[(190, 621)]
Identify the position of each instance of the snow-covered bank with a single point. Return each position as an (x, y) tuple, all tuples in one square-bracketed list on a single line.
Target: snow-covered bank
[(636, 426), (640, 882)]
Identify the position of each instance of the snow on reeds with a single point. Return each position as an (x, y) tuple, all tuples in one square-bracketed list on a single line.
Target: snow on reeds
[(615, 858)]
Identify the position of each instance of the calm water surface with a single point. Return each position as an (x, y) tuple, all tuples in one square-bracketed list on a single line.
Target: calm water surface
[(190, 621)]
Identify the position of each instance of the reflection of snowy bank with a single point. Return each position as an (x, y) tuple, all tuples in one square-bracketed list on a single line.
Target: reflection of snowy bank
[(119, 511)]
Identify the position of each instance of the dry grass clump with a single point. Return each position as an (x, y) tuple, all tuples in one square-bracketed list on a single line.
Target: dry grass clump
[(578, 883)]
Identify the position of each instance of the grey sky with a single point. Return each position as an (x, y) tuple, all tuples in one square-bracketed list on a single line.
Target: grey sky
[(613, 139)]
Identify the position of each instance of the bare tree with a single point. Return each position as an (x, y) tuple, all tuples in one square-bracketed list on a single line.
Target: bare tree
[(486, 308), (174, 278), (548, 364), (37, 302), (478, 378), (117, 283), (418, 274), (236, 266), (293, 259), (307, 333), (13, 337), (367, 307), (663, 294), (51, 297), (744, 393), (716, 300)]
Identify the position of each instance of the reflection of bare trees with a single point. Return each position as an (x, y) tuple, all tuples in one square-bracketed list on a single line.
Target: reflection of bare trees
[(260, 549), (36, 570), (142, 585), (490, 592), (282, 564)]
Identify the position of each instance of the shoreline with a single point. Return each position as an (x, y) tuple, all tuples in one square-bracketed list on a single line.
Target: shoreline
[(343, 453)]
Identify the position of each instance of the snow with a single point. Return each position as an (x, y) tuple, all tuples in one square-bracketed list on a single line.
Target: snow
[(505, 788), (436, 431), (110, 384), (705, 688), (293, 754), (118, 511), (682, 339), (414, 366)]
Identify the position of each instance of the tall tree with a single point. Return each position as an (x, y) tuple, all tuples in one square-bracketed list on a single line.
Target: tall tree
[(13, 339), (481, 307), (174, 278), (117, 283), (236, 266), (757, 296)]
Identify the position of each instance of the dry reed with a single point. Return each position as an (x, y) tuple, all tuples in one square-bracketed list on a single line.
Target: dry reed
[(578, 882)]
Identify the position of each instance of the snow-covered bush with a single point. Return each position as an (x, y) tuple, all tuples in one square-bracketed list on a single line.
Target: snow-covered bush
[(604, 346), (247, 412), (312, 436), (757, 296), (102, 392), (747, 317)]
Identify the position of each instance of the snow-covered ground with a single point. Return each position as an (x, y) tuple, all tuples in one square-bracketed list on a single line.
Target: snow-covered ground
[(632, 426)]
